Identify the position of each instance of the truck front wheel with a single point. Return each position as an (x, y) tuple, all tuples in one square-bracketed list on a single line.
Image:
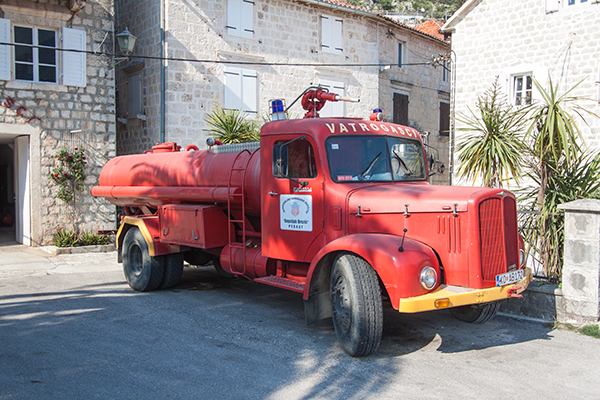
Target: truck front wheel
[(143, 272), (476, 314), (356, 305)]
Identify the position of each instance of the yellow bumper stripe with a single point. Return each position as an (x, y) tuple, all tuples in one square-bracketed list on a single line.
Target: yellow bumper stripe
[(460, 296)]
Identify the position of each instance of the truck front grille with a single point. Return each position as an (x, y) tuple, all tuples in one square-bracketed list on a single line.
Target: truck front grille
[(498, 234)]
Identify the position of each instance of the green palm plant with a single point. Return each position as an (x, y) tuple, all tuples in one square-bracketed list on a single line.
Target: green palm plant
[(232, 126), (561, 170), (493, 147)]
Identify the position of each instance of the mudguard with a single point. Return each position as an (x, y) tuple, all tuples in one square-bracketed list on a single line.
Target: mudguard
[(149, 228), (397, 261)]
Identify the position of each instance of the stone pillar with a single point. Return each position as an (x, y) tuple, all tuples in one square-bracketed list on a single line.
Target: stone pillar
[(581, 267)]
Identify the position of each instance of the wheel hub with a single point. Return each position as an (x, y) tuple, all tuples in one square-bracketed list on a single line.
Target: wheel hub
[(342, 306)]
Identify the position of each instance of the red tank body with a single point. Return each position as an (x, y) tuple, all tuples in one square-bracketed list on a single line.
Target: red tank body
[(168, 175)]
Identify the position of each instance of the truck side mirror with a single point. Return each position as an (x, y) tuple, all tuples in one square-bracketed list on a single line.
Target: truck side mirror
[(280, 160), (434, 160)]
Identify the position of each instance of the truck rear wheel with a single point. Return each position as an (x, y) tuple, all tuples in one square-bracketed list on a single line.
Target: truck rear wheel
[(476, 314), (143, 272), (173, 270), (356, 305)]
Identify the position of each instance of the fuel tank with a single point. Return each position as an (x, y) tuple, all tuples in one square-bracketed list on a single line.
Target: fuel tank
[(168, 175)]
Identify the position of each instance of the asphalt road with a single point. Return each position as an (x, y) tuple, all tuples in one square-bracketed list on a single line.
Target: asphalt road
[(70, 328)]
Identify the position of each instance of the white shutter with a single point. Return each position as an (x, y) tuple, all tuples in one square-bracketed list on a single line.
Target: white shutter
[(5, 50), (326, 33), (233, 88), (247, 23), (333, 108), (74, 64), (552, 6), (249, 90), (234, 17), (336, 36)]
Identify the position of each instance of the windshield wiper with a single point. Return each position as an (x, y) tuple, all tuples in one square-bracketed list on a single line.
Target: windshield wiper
[(401, 161), (362, 175)]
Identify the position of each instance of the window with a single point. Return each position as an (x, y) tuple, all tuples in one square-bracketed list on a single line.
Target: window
[(574, 2), (375, 158), (444, 119), (445, 71), (35, 57), (401, 109), (333, 108), (240, 18), (300, 159), (522, 89), (134, 95), (331, 34), (241, 89), (401, 55)]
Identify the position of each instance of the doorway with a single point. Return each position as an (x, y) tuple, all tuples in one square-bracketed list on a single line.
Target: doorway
[(15, 210)]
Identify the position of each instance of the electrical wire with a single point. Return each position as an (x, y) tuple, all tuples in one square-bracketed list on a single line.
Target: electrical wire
[(208, 61)]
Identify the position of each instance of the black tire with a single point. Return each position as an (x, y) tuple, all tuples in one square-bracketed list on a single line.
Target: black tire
[(356, 305), (222, 273), (476, 314), (173, 270), (143, 272)]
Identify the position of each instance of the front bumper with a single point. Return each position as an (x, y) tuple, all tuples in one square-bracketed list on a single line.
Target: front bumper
[(447, 296)]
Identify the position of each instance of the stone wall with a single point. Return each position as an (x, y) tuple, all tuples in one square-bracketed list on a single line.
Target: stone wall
[(499, 37), (284, 32), (68, 117)]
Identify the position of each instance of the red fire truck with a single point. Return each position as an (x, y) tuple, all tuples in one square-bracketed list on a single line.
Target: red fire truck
[(337, 209)]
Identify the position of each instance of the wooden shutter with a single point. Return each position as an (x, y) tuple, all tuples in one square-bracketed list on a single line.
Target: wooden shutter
[(74, 64), (234, 17), (401, 109), (5, 49), (247, 19), (333, 108), (444, 119), (336, 36), (241, 89)]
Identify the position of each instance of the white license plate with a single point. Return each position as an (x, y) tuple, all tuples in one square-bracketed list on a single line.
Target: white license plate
[(510, 277)]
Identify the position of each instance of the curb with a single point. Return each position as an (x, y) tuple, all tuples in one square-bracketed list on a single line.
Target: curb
[(55, 251)]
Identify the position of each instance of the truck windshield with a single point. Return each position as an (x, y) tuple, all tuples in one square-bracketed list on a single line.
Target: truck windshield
[(375, 158)]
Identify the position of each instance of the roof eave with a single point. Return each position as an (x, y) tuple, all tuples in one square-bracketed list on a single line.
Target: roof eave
[(450, 25)]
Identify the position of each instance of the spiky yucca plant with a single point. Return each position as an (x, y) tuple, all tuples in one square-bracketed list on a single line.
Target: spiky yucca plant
[(232, 126)]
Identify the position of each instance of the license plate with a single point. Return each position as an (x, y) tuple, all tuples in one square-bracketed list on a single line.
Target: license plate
[(510, 277)]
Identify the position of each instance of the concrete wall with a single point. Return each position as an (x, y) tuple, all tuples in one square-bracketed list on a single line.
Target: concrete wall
[(60, 109)]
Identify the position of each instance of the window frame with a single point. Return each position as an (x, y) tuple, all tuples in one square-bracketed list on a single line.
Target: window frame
[(240, 89), (238, 23), (36, 48), (332, 29), (524, 91), (401, 54)]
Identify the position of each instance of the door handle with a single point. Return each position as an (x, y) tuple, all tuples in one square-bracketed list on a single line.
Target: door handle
[(272, 193)]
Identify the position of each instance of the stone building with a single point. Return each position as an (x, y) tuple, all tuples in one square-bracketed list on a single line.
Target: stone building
[(52, 99), (241, 53), (518, 41)]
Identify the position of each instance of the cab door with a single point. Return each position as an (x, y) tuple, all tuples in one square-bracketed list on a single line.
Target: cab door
[(292, 208)]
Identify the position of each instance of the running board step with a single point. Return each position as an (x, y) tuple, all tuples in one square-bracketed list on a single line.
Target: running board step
[(283, 283)]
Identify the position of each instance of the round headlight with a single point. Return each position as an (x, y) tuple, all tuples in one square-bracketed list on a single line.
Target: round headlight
[(521, 257), (428, 278)]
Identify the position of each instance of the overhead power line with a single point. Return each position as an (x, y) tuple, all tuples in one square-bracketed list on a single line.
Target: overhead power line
[(435, 60)]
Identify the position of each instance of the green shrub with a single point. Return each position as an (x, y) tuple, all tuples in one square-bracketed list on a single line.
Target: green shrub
[(66, 238)]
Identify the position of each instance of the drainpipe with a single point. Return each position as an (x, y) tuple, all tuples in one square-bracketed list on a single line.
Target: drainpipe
[(162, 71)]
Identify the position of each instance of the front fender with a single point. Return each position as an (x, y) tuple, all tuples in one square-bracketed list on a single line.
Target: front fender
[(398, 270)]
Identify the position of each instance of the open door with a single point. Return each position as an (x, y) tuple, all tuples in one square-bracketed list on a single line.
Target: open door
[(22, 200)]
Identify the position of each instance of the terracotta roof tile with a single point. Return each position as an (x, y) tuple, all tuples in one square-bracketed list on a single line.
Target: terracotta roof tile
[(431, 27)]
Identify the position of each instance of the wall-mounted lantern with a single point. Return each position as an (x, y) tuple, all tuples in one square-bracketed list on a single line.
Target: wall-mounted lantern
[(126, 42)]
